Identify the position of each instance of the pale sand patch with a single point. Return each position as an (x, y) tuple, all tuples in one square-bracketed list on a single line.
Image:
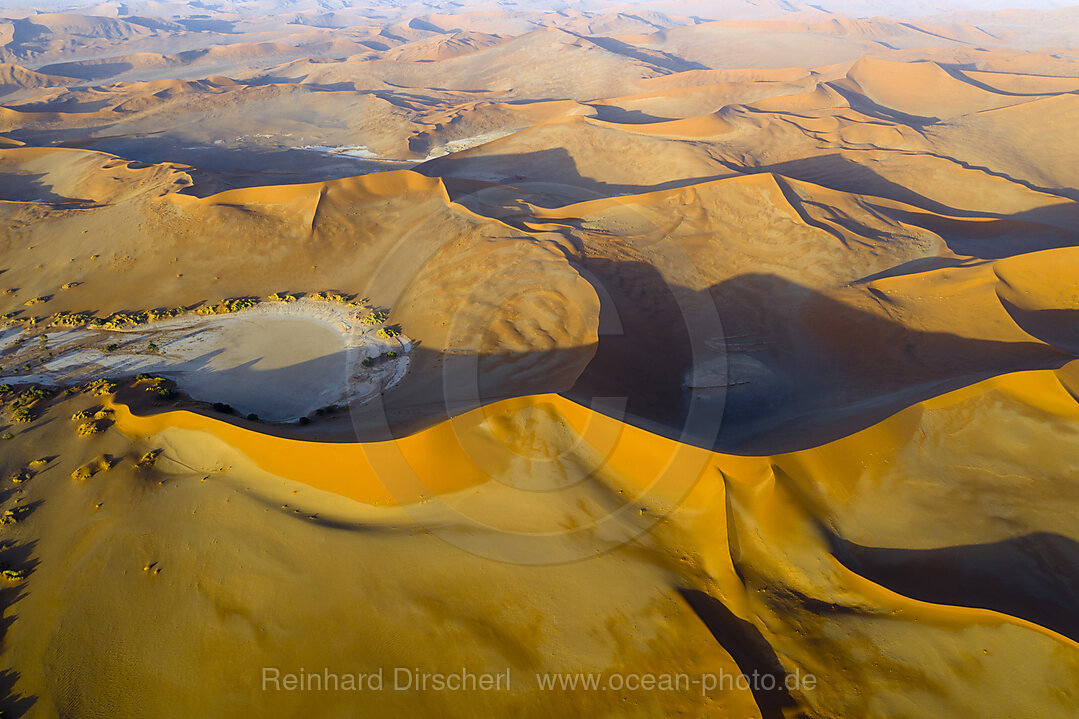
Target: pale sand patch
[(278, 368), (281, 361)]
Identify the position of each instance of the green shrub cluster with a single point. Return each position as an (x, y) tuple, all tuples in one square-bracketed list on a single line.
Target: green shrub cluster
[(234, 304), (127, 320), (148, 459), (99, 387), (71, 319), (375, 318), (87, 428), (329, 297), (11, 516), (21, 408), (13, 575)]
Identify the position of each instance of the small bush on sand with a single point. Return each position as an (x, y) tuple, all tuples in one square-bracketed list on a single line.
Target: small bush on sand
[(71, 319), (148, 459), (368, 362), (102, 464), (99, 387), (13, 575), (7, 435), (375, 318), (88, 428), (38, 463), (11, 516), (329, 297), (387, 333), (22, 415), (83, 415)]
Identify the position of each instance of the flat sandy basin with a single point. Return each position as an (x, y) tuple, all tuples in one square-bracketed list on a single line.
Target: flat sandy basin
[(276, 367)]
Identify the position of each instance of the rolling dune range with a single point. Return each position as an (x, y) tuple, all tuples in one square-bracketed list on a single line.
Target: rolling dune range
[(736, 341)]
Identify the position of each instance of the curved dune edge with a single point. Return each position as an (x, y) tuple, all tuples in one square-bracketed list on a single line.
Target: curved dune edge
[(754, 521), (463, 446)]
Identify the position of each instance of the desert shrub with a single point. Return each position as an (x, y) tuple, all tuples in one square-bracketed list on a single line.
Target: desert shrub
[(37, 300), (7, 435), (151, 348), (82, 473), (11, 516), (13, 575), (88, 428), (329, 297), (368, 362), (69, 285), (164, 313), (149, 458), (376, 317), (391, 355), (166, 393), (387, 333), (82, 415), (223, 408), (5, 388), (253, 417), (122, 320), (21, 415), (72, 319), (38, 463), (304, 420), (100, 387), (32, 394), (21, 476), (283, 297), (111, 347), (103, 414)]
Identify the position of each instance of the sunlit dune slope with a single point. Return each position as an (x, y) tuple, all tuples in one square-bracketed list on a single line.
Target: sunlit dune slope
[(453, 278), (865, 542)]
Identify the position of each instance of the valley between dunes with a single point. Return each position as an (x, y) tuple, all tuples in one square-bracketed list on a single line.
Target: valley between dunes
[(666, 340)]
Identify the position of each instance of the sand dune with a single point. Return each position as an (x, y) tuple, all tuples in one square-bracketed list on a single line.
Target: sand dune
[(784, 542)]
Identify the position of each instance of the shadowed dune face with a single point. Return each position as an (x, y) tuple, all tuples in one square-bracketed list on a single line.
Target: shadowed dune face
[(702, 340)]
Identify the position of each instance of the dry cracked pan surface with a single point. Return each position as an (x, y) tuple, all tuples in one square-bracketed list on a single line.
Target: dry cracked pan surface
[(666, 347)]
